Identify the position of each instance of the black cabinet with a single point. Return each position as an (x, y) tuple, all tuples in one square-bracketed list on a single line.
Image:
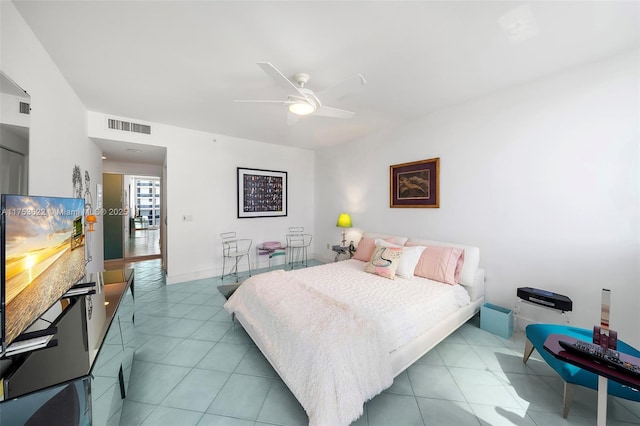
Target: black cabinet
[(84, 377)]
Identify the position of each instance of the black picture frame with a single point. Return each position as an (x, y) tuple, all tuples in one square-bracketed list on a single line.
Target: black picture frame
[(261, 193)]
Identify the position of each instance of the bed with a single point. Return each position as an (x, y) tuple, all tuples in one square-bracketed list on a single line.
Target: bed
[(337, 334)]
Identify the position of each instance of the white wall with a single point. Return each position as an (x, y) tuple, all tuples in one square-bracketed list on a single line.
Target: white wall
[(201, 183), (15, 139), (137, 169), (58, 129), (10, 109), (542, 177)]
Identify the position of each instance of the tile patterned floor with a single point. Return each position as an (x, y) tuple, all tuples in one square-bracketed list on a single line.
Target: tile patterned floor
[(193, 367)]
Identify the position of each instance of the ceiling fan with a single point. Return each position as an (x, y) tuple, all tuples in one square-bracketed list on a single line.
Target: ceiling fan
[(304, 101)]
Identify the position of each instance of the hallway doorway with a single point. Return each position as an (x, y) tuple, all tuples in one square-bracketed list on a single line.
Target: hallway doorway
[(140, 235)]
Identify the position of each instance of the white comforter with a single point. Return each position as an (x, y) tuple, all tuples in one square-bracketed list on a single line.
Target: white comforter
[(331, 358), (403, 309), (329, 330)]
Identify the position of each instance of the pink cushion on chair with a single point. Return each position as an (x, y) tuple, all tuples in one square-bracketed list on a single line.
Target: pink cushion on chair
[(440, 264), (270, 245)]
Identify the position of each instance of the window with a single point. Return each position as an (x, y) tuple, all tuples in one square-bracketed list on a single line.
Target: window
[(148, 199)]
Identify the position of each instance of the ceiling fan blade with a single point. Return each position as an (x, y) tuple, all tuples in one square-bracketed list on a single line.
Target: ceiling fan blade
[(264, 101), (278, 77), (334, 93), (327, 111)]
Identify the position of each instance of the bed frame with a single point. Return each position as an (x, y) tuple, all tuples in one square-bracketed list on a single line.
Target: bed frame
[(473, 280), (404, 357)]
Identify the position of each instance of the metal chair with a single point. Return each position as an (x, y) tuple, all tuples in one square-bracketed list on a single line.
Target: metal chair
[(234, 248), (297, 244)]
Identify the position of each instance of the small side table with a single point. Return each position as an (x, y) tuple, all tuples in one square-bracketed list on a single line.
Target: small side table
[(139, 223), (552, 345), (341, 250), (541, 304), (272, 249)]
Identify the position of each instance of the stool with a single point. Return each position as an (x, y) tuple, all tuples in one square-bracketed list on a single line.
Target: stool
[(571, 374), (271, 249)]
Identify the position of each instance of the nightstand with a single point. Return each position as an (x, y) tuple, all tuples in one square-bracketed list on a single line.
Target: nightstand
[(341, 250)]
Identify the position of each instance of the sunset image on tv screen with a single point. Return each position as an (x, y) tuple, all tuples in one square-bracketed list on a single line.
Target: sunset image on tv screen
[(43, 253)]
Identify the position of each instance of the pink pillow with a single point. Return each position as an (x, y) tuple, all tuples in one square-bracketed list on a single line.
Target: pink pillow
[(366, 246), (440, 264), (365, 249)]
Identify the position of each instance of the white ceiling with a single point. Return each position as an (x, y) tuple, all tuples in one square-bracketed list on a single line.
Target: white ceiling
[(183, 63)]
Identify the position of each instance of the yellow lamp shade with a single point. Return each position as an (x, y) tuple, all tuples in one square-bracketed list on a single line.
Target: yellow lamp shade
[(344, 220)]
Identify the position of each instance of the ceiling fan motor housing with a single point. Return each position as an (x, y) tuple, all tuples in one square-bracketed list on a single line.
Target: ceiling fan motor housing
[(304, 101)]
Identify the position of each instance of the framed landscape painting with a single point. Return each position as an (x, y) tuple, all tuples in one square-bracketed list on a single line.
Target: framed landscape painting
[(261, 193), (415, 184)]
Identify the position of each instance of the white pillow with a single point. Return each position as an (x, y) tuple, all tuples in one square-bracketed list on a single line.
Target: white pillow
[(408, 260)]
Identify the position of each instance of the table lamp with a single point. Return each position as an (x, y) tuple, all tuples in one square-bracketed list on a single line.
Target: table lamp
[(91, 219), (344, 221)]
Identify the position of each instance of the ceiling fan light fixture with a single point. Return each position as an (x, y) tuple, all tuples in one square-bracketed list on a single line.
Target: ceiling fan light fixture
[(301, 108)]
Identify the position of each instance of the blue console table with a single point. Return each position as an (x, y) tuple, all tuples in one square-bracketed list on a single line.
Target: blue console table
[(572, 374)]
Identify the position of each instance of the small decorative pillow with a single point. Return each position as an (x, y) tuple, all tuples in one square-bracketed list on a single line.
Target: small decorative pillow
[(409, 259), (384, 261), (272, 245), (365, 249), (441, 264)]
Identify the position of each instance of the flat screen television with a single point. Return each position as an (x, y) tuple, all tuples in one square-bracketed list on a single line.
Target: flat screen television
[(42, 254)]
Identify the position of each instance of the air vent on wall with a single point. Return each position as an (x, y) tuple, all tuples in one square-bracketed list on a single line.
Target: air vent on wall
[(24, 108), (128, 126)]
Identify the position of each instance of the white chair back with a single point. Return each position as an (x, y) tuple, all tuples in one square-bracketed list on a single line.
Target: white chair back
[(234, 248)]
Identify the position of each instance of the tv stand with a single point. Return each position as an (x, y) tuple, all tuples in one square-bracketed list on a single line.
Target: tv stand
[(32, 341), (81, 289), (88, 368), (35, 338)]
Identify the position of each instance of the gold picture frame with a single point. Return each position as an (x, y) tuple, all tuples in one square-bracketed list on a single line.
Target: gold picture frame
[(415, 184)]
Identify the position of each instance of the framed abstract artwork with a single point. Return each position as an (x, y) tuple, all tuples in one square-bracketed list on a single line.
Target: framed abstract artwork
[(415, 184), (261, 193)]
